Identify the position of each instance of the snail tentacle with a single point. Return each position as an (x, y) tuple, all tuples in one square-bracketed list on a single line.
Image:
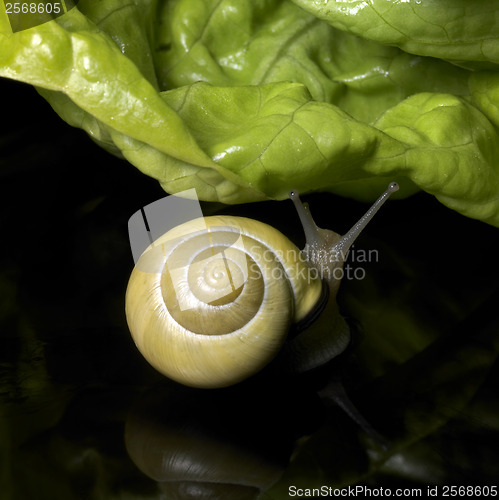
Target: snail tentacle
[(348, 239), (326, 250)]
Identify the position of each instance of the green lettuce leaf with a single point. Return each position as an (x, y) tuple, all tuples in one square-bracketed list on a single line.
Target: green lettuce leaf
[(245, 101), (456, 30)]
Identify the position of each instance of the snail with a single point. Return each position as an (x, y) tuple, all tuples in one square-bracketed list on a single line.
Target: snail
[(212, 301)]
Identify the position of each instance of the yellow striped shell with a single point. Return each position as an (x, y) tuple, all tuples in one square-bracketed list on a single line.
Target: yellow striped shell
[(211, 301)]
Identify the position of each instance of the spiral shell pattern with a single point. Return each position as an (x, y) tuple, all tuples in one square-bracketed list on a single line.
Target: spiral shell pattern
[(211, 301)]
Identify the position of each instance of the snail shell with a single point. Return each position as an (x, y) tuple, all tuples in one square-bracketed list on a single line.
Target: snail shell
[(211, 302)]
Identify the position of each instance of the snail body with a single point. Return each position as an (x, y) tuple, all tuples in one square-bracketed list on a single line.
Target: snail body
[(211, 302)]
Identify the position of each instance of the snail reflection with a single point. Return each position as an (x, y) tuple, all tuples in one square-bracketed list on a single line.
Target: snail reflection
[(224, 444), (220, 296)]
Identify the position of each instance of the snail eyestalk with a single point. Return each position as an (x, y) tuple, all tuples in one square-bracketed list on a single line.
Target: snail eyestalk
[(347, 240), (312, 234), (326, 250)]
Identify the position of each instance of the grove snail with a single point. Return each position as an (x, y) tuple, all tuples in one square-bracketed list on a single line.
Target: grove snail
[(221, 294)]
